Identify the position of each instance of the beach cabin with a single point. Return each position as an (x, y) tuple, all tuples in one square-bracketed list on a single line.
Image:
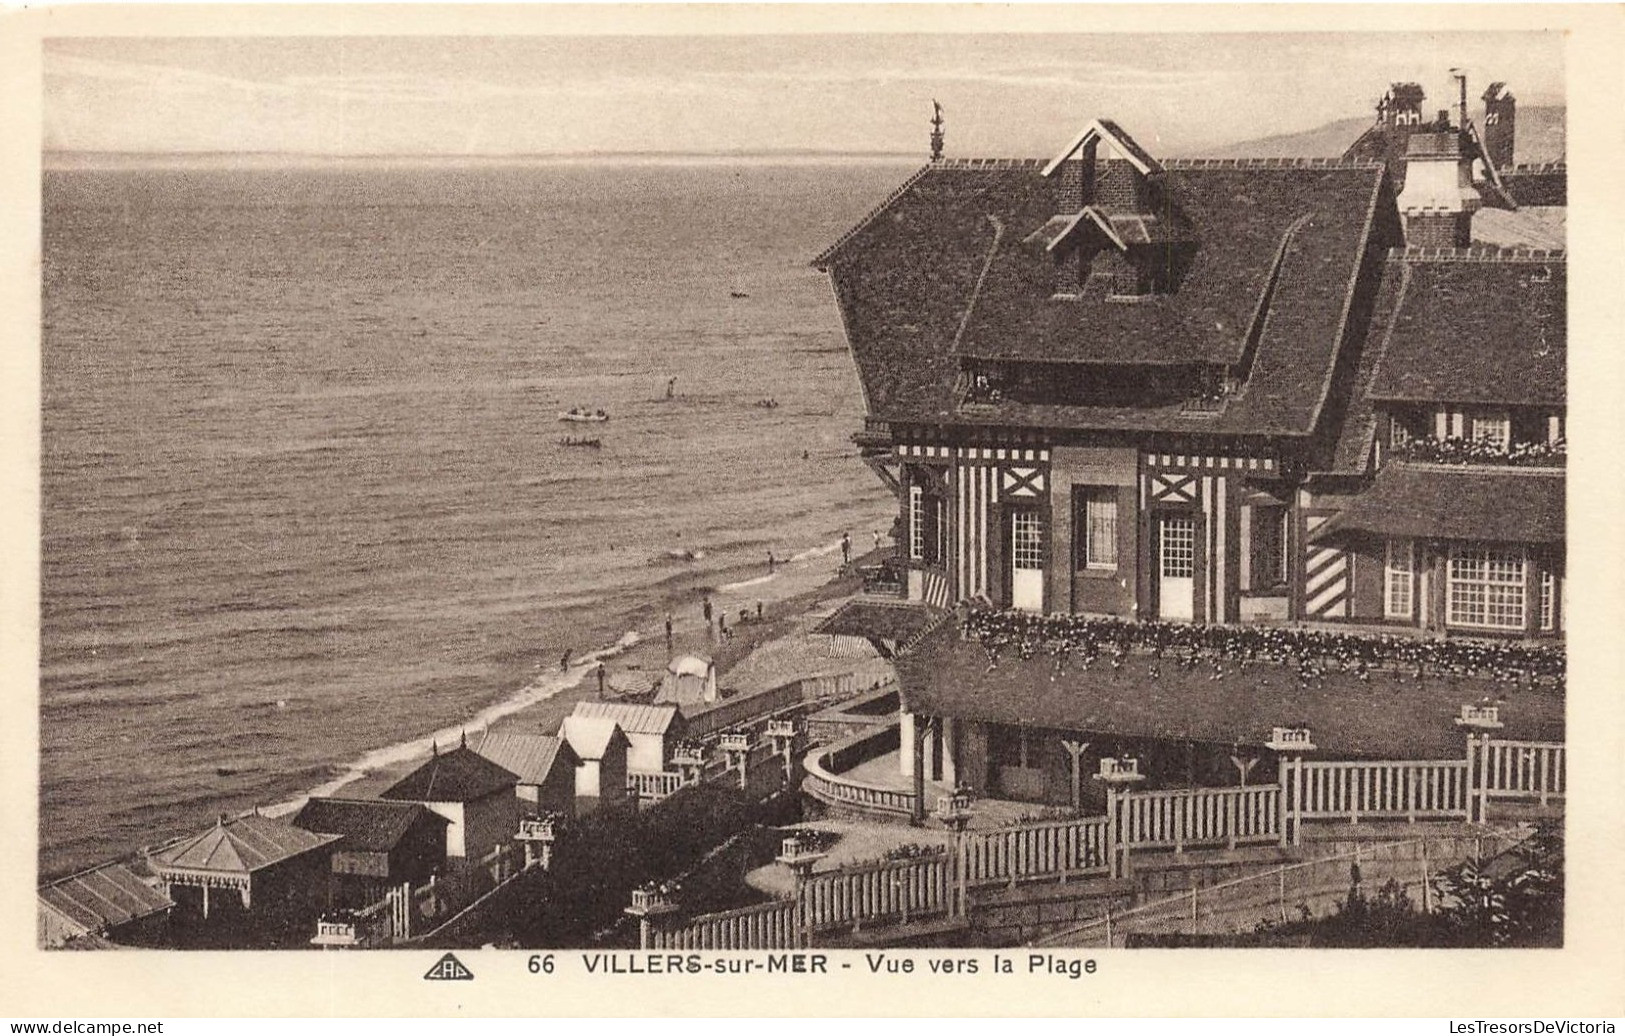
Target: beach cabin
[(109, 903), (473, 793), (251, 880), (652, 731), (383, 845), (601, 748), (544, 763), (690, 681)]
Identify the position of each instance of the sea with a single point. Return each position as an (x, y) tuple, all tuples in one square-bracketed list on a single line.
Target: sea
[(304, 498)]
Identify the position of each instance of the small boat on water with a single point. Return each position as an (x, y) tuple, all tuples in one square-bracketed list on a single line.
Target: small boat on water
[(686, 555), (573, 441), (736, 293), (582, 414)]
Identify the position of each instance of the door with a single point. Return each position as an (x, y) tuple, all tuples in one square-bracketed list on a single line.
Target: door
[(1026, 561), (1176, 568)]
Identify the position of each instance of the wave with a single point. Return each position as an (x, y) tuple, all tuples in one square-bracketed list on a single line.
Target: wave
[(817, 552), (407, 751), (727, 588)]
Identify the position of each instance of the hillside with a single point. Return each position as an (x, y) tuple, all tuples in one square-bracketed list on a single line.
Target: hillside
[(1541, 138)]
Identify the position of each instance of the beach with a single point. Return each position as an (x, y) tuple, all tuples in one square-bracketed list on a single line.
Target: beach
[(305, 510)]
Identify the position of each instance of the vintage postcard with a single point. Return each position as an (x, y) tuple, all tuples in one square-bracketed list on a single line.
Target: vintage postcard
[(790, 510)]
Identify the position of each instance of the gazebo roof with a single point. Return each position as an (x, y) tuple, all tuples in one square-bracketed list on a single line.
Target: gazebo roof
[(239, 847)]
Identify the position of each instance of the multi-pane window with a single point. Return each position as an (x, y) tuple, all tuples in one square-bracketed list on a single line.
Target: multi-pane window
[(1486, 588), (1399, 580), (916, 523), (1495, 428), (1178, 548), (1026, 540), (1548, 600), (1098, 521)]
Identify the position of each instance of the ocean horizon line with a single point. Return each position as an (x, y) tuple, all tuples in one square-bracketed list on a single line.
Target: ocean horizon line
[(75, 160)]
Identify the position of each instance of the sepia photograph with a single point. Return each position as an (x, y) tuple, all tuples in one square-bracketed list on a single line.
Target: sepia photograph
[(792, 493)]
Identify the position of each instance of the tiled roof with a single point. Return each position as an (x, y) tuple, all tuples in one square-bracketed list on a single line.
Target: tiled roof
[(944, 270), (1413, 719), (1537, 184), (1354, 430), (367, 825), (531, 757), (1479, 327), (1457, 502), (634, 719), (590, 736), (461, 775), (240, 846), (103, 897), (875, 619)]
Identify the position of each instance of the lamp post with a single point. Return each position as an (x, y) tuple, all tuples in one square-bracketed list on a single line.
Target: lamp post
[(1480, 721), (800, 858), (955, 814), (1292, 743), (1117, 773)]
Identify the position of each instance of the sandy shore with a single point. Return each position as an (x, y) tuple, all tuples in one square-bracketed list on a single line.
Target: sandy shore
[(796, 592)]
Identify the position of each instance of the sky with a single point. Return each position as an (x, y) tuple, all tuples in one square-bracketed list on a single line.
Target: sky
[(1004, 95)]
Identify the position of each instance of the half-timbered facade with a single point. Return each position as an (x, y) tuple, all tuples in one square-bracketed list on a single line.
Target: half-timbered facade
[(1234, 392)]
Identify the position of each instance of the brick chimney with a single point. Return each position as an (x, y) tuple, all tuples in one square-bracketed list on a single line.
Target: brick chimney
[(1439, 199), (1500, 124)]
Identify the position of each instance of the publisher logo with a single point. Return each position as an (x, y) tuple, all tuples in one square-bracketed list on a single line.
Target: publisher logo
[(448, 967)]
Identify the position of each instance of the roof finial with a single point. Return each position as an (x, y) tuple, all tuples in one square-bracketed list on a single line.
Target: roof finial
[(936, 131), (434, 748), (464, 742)]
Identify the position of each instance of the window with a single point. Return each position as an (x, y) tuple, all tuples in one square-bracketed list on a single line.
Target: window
[(1027, 540), (1268, 546), (1548, 600), (1399, 580), (1493, 427), (1398, 434), (1096, 517), (1178, 559), (916, 523), (1486, 589)]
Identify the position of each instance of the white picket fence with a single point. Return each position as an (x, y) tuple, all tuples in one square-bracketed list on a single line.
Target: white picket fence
[(1204, 817)]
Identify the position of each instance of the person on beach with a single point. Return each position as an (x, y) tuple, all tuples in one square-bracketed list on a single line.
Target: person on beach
[(601, 676), (758, 611), (771, 561), (668, 633), (706, 610), (671, 387), (846, 547), (722, 626), (564, 663)]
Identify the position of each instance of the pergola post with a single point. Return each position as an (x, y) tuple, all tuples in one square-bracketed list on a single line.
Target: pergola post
[(917, 750)]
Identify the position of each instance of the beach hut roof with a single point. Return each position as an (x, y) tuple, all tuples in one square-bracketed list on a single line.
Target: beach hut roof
[(367, 825), (461, 775), (103, 897), (531, 757), (591, 736), (634, 719)]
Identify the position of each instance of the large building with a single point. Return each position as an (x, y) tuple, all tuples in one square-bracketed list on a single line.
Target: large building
[(1240, 392)]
